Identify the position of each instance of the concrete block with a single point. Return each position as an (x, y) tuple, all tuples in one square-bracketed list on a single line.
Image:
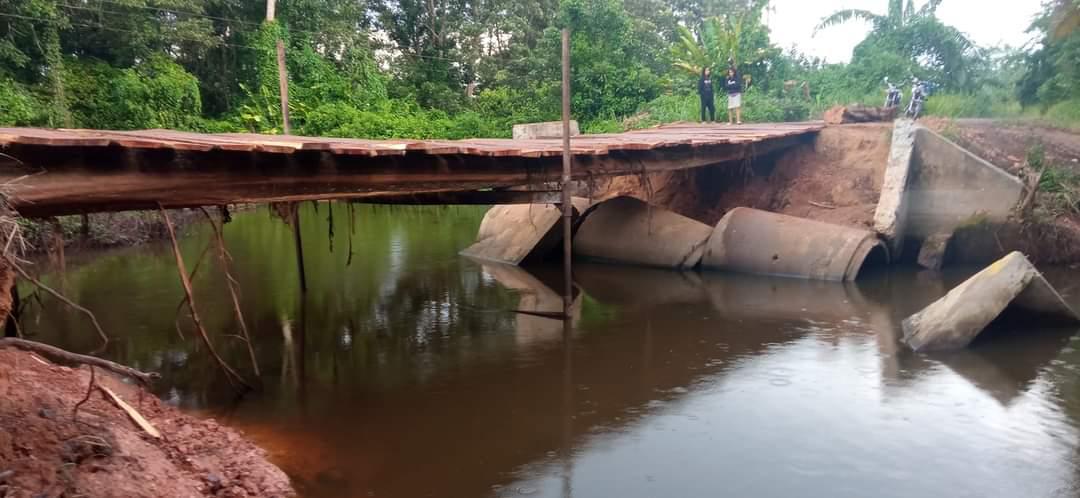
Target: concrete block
[(627, 230), (933, 251), (890, 218), (752, 241), (950, 185), (513, 234), (550, 129), (953, 321)]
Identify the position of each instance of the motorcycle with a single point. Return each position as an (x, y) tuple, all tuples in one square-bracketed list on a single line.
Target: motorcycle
[(893, 97), (918, 99)]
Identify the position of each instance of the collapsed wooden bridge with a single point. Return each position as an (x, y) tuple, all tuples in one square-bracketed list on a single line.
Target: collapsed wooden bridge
[(60, 172)]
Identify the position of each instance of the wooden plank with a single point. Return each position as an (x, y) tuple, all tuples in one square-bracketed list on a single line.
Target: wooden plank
[(661, 137)]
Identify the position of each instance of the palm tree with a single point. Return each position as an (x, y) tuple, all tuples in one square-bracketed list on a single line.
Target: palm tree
[(930, 46), (897, 17), (900, 18)]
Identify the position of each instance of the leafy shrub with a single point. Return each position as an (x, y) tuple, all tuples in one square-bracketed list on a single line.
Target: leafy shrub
[(1065, 113), (18, 106), (757, 107), (603, 126), (972, 106)]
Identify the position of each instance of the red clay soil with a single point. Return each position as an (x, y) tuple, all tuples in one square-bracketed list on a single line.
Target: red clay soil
[(1006, 144), (837, 179), (103, 453)]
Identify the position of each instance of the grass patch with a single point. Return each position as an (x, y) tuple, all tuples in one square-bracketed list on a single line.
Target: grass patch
[(1059, 188)]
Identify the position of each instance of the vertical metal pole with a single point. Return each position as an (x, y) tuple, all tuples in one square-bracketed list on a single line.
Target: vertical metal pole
[(567, 206), (283, 85)]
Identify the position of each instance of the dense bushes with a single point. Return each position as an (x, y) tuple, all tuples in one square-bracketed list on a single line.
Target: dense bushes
[(157, 93)]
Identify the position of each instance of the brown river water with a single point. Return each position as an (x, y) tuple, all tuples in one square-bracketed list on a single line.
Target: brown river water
[(402, 372)]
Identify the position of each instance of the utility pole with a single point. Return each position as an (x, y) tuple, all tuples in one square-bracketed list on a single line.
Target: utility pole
[(283, 74), (567, 206)]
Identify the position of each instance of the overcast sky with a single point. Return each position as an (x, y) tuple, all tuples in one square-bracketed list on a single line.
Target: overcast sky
[(988, 23)]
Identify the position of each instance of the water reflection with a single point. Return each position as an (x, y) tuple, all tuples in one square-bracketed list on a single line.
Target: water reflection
[(404, 371)]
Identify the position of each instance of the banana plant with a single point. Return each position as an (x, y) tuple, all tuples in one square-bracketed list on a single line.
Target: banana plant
[(719, 40)]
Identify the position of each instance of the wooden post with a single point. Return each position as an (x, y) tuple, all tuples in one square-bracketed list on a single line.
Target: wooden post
[(283, 85), (57, 250), (299, 243), (567, 206), (283, 74)]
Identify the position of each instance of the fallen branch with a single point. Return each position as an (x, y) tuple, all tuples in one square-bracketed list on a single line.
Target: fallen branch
[(46, 288), (821, 205), (232, 284), (58, 355), (1028, 204), (131, 412), (230, 374)]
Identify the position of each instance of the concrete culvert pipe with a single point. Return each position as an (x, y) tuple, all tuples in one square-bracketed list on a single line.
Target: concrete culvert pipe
[(629, 231), (752, 241)]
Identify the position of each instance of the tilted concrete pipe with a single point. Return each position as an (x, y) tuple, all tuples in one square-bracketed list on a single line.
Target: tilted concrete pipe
[(752, 241), (629, 231)]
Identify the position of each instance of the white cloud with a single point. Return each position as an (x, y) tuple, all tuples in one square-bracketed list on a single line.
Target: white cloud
[(988, 23)]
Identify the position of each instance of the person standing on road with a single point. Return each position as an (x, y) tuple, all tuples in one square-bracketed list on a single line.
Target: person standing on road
[(734, 87), (708, 99)]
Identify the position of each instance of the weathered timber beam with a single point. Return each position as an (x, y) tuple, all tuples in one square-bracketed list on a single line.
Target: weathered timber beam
[(472, 197), (86, 180)]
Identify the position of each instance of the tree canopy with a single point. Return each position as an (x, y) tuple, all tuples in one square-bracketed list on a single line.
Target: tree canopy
[(457, 68)]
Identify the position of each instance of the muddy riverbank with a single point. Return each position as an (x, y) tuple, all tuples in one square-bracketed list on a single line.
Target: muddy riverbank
[(46, 449)]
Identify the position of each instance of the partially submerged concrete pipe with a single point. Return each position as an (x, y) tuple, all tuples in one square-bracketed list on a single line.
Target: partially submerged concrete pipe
[(513, 234), (953, 321), (752, 241), (627, 230)]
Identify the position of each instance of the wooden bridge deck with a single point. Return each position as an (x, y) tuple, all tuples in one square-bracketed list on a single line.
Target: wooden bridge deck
[(73, 171)]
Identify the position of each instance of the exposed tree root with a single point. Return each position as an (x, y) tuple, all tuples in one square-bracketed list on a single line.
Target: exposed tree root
[(61, 356), (89, 391), (230, 374), (233, 286)]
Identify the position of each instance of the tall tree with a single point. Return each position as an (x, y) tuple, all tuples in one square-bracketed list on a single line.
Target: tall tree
[(915, 38)]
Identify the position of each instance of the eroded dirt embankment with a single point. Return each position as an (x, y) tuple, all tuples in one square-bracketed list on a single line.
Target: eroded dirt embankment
[(45, 450), (835, 179)]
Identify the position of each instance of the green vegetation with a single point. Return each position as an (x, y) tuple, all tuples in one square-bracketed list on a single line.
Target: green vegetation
[(406, 68), (1059, 186)]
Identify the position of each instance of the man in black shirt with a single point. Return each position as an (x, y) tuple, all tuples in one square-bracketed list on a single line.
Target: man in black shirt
[(705, 91)]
